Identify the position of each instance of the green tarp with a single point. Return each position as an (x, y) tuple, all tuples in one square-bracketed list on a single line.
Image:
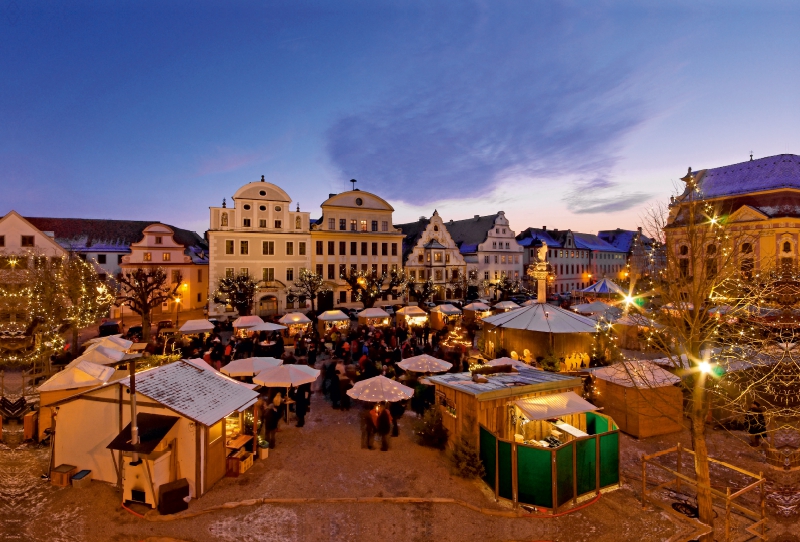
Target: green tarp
[(505, 471), (609, 459), (534, 476), (487, 454), (595, 424), (564, 491), (586, 465)]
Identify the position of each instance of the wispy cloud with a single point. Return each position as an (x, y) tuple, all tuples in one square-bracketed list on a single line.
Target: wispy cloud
[(487, 107)]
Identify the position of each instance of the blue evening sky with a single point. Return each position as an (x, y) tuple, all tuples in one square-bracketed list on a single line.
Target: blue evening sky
[(566, 114)]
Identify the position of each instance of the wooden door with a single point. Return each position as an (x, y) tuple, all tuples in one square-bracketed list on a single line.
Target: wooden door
[(215, 454)]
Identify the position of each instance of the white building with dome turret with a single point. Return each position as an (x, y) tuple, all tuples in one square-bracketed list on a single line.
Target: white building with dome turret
[(260, 233)]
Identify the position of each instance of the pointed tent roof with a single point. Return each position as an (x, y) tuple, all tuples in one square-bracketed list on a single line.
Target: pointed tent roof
[(543, 318), (333, 316), (604, 286)]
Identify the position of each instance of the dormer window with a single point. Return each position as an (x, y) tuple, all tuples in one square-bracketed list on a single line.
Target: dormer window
[(159, 239), (262, 208)]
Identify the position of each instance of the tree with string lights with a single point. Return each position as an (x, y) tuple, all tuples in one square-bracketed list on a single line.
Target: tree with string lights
[(87, 297), (144, 289), (308, 286), (422, 291), (370, 287), (238, 291), (503, 287)]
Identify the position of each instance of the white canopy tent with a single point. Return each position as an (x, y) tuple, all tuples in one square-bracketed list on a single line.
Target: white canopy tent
[(555, 405), (244, 322), (82, 374), (373, 312), (544, 318), (250, 366), (447, 309), (333, 316), (197, 326), (115, 342), (294, 318), (267, 326), (379, 389), (102, 355), (477, 306), (411, 310), (506, 306)]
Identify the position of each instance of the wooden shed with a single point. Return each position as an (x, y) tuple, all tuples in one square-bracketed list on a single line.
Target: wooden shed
[(466, 403), (643, 398)]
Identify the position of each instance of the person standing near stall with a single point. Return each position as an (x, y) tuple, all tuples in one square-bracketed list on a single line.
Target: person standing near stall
[(367, 427), (271, 419), (302, 400), (383, 425)]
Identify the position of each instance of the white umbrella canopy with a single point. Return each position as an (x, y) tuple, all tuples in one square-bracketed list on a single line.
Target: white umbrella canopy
[(508, 361), (197, 326), (424, 364), (247, 321), (506, 305), (294, 318), (267, 326), (285, 376), (477, 306), (250, 366), (115, 342), (380, 389)]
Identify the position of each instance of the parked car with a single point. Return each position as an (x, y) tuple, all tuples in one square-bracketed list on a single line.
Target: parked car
[(133, 331), (388, 309), (427, 306), (112, 327), (162, 324)]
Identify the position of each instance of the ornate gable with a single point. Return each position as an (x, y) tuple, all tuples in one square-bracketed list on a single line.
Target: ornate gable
[(746, 213)]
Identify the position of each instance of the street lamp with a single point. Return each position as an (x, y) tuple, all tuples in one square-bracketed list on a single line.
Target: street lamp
[(177, 310)]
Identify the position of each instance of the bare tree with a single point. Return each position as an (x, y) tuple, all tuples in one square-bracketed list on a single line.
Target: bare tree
[(502, 287), (422, 291), (307, 286), (369, 287), (239, 291), (463, 282), (144, 289)]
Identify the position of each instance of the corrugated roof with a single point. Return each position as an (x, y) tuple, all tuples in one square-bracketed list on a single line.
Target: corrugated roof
[(544, 318), (203, 396), (506, 384), (770, 173)]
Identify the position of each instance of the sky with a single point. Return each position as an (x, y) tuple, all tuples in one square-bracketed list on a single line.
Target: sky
[(566, 114)]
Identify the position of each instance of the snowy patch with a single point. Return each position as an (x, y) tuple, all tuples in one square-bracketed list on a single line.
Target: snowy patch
[(265, 524)]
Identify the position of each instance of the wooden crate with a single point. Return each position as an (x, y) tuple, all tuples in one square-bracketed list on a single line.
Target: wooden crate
[(29, 425), (62, 474), (245, 462)]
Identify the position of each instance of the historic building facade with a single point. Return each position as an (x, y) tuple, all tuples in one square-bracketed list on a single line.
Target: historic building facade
[(430, 252), (261, 235), (355, 233), (758, 201)]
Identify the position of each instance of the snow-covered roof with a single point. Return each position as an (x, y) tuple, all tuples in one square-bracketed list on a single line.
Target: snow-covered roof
[(604, 286), (587, 241), (636, 374), (200, 395), (247, 321), (544, 318), (446, 309), (333, 316), (770, 173), (373, 312), (81, 375), (294, 318)]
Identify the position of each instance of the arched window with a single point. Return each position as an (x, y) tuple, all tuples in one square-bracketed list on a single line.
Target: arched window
[(436, 228), (787, 246), (747, 248), (684, 250)]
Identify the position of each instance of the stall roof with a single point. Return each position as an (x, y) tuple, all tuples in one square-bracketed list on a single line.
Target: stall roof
[(152, 428), (636, 374), (81, 375), (554, 405), (506, 384), (201, 395), (197, 326), (477, 306), (446, 309), (333, 316), (247, 321), (115, 342), (544, 318), (373, 312), (103, 355), (294, 318), (412, 310)]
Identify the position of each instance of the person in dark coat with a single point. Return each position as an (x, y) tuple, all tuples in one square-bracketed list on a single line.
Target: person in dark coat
[(396, 409), (756, 425), (367, 427), (271, 419), (302, 398), (384, 427), (334, 389)]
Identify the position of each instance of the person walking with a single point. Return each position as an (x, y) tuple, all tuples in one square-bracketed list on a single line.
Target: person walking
[(367, 427), (396, 409), (302, 400), (271, 419), (384, 427)]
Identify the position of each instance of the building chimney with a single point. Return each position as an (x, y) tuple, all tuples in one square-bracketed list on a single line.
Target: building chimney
[(477, 217), (262, 179), (544, 228), (331, 195)]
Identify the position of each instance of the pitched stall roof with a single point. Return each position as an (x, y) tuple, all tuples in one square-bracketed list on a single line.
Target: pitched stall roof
[(203, 396), (636, 374), (543, 318), (94, 234), (554, 405), (506, 384)]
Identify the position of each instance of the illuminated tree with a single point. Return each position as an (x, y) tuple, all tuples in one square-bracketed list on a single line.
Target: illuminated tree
[(87, 298), (307, 286), (422, 291), (143, 290), (369, 287), (239, 291), (503, 287), (463, 282)]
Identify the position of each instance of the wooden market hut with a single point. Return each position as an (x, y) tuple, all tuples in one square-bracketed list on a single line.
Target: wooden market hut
[(643, 398), (412, 315), (476, 311), (374, 317), (444, 315), (190, 421), (538, 328), (540, 442), (330, 319)]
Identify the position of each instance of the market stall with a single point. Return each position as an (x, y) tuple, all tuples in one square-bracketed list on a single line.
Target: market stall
[(412, 315), (443, 316), (373, 317), (328, 320), (242, 325), (643, 398), (194, 327), (476, 311), (296, 322), (504, 306)]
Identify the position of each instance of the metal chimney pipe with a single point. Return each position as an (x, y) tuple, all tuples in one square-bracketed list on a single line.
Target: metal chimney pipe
[(134, 425)]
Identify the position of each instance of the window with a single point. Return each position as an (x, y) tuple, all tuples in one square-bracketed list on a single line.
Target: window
[(504, 230), (268, 248), (165, 257), (246, 207), (278, 224), (421, 259), (290, 274), (119, 259), (413, 275), (384, 249), (342, 223), (262, 223), (374, 249), (428, 257), (364, 249), (229, 272), (244, 247), (421, 274), (298, 223), (331, 248), (229, 246), (503, 258), (486, 259), (268, 274), (146, 257), (199, 298), (342, 248), (684, 267), (262, 207), (353, 248), (159, 239), (342, 270), (343, 296), (497, 230), (246, 222), (394, 249), (101, 258), (374, 269), (437, 257), (301, 246), (495, 258), (290, 248), (319, 248), (711, 250), (318, 269), (747, 248), (384, 268), (508, 246), (27, 241), (199, 275), (2, 240), (787, 246), (331, 271), (496, 275), (374, 225), (353, 225), (684, 250), (438, 274), (363, 225), (494, 244), (244, 271), (176, 276), (384, 226), (331, 223)]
